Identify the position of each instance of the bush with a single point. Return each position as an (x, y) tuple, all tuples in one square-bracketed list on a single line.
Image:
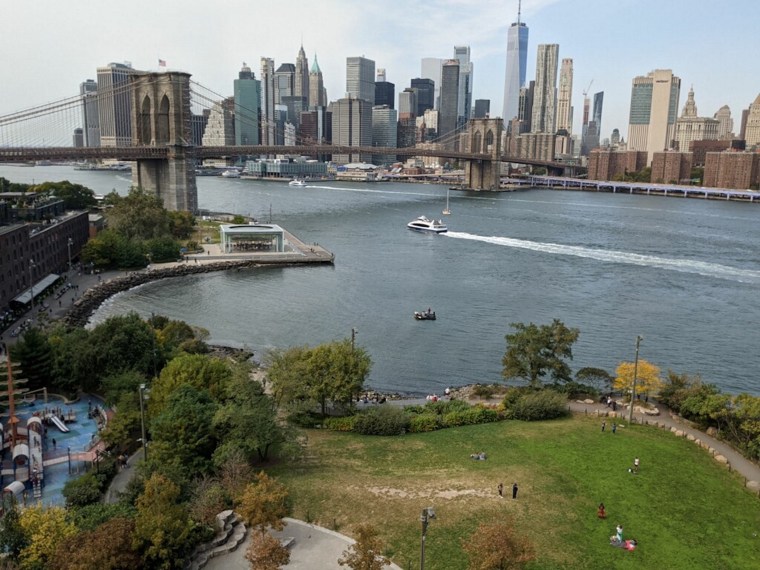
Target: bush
[(345, 423), (382, 420), (576, 390), (471, 416), (82, 491), (484, 391), (541, 405), (421, 423)]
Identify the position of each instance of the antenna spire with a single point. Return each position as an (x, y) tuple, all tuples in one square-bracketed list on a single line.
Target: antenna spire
[(519, 9)]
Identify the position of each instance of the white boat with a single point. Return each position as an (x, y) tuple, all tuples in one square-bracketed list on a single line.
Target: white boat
[(231, 173), (297, 182), (446, 211), (423, 224)]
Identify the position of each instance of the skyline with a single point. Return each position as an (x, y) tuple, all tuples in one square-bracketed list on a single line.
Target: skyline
[(706, 49)]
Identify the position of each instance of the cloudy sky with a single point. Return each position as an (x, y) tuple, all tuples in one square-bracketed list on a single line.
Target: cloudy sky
[(48, 47)]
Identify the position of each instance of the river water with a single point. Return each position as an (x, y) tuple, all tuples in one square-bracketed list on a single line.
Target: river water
[(682, 273)]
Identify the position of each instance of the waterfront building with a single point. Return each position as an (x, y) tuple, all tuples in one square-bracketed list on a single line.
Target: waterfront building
[(464, 97), (88, 90), (605, 164), (654, 108), (385, 93), (482, 109), (220, 128), (352, 126), (447, 120), (730, 169), (317, 93), (671, 167), (432, 68), (114, 104), (752, 128), (301, 80), (545, 91), (699, 149), (247, 105), (384, 132), (517, 64), (286, 168), (725, 123), (425, 90), (690, 127), (267, 101), (360, 79)]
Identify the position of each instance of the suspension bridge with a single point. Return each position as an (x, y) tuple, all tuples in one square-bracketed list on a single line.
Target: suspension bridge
[(155, 125)]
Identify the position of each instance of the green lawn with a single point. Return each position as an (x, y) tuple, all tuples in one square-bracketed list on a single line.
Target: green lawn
[(684, 509)]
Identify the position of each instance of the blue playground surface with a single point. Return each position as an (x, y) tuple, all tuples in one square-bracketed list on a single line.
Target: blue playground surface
[(57, 444)]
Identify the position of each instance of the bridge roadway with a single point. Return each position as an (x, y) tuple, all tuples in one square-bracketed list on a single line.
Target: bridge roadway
[(129, 153)]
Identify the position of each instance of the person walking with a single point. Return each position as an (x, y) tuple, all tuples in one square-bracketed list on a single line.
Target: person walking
[(604, 424), (635, 464), (614, 427), (514, 490), (500, 488)]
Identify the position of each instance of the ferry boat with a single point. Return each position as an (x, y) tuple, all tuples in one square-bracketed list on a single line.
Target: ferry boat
[(297, 182), (423, 224)]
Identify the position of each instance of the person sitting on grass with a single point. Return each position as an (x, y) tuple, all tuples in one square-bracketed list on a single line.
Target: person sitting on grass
[(600, 512)]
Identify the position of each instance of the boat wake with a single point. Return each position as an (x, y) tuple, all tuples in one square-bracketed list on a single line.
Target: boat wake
[(611, 256)]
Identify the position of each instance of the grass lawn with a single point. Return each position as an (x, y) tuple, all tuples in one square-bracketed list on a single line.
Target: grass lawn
[(684, 509)]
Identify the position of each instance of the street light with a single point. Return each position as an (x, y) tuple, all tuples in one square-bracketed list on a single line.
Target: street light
[(141, 392), (639, 338), (70, 243), (427, 514), (31, 283)]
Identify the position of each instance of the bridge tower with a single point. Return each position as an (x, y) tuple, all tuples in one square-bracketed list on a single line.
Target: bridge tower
[(483, 136), (161, 117)]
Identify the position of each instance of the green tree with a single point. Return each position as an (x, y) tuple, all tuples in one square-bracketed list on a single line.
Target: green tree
[(533, 351), (162, 525), (497, 546), (286, 369), (13, 538), (82, 491), (74, 196), (162, 249), (73, 359), (124, 428), (34, 354), (181, 224), (138, 215), (596, 377), (366, 552)]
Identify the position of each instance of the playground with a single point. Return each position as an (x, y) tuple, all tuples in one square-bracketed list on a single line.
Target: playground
[(45, 442)]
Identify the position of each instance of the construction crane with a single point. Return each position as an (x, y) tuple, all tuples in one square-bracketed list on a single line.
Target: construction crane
[(585, 91), (586, 103)]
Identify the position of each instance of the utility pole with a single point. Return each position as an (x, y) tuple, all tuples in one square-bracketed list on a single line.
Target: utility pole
[(142, 422), (639, 338), (353, 338)]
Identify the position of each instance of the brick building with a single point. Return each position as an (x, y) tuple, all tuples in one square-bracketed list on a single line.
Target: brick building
[(738, 170), (671, 167), (604, 164), (699, 149)]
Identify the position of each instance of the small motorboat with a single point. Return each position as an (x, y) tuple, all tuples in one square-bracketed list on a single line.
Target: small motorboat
[(424, 315), (297, 182), (423, 224), (231, 173)]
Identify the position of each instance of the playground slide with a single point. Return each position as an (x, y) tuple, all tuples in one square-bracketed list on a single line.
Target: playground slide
[(58, 423)]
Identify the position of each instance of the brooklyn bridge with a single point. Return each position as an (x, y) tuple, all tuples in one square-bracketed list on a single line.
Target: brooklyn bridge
[(162, 106)]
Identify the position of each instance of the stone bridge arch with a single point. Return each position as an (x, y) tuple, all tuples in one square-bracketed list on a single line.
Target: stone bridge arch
[(484, 137)]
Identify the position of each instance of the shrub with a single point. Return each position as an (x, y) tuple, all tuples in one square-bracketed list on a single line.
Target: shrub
[(82, 491), (382, 420), (471, 416), (345, 423), (541, 405), (484, 391), (420, 423)]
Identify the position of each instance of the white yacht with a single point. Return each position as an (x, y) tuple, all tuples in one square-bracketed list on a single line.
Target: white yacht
[(423, 224), (297, 182), (231, 173)]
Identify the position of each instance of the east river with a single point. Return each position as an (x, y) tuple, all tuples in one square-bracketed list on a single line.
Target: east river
[(682, 273)]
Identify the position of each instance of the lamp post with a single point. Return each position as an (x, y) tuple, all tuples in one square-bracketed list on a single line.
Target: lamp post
[(70, 243), (353, 338), (639, 338), (141, 392), (427, 514), (31, 283)]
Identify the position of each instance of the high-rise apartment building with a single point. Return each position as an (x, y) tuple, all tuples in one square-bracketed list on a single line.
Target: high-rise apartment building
[(268, 124), (752, 128), (360, 79), (690, 127), (301, 86), (352, 126), (565, 97), (464, 103), (425, 89), (654, 109), (545, 92), (88, 90), (247, 104), (725, 122), (115, 104), (525, 107), (317, 95), (597, 114), (384, 132), (447, 119), (517, 64), (432, 68)]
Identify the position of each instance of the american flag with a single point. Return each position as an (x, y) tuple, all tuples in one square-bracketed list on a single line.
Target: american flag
[(161, 63)]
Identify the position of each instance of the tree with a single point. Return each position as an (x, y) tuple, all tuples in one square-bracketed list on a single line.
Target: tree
[(263, 503), (596, 377), (13, 538), (234, 473), (107, 547), (74, 196), (207, 499), (366, 552), (45, 528), (124, 428), (536, 350), (34, 354), (647, 377), (266, 552), (73, 359), (181, 224), (138, 215), (285, 370), (497, 546), (162, 525)]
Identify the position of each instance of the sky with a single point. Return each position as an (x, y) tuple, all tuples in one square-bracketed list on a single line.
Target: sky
[(48, 47)]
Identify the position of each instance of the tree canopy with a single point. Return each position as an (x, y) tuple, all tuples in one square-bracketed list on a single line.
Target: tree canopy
[(367, 552), (534, 351), (497, 546), (74, 196), (647, 377)]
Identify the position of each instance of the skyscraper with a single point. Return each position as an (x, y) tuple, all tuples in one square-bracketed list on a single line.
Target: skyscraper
[(752, 128), (425, 89), (482, 108), (351, 126), (690, 127), (545, 93), (360, 79), (384, 132), (447, 120), (90, 123), (317, 96), (284, 82), (385, 91), (464, 104), (431, 68), (726, 123), (517, 64), (302, 77), (247, 104), (654, 108), (114, 105), (565, 97), (597, 114), (267, 101)]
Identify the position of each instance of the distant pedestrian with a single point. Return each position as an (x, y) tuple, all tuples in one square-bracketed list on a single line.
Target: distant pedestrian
[(614, 427), (514, 490), (635, 464), (500, 488), (604, 424), (614, 406), (54, 443), (601, 512)]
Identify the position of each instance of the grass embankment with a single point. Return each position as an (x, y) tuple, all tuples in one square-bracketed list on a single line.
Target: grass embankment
[(684, 509)]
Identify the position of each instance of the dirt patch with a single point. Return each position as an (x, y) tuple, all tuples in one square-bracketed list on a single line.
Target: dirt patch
[(390, 492)]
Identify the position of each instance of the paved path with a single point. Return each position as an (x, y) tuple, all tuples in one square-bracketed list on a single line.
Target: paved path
[(122, 478), (749, 470)]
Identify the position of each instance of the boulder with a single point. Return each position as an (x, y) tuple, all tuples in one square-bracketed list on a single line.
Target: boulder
[(652, 412), (712, 432), (679, 433), (753, 486), (721, 459), (589, 401), (690, 437)]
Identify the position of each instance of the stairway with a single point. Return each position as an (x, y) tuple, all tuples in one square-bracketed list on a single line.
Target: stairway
[(231, 532)]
